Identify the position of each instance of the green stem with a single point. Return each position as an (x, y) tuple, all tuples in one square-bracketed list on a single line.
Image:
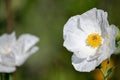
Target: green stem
[(9, 16), (104, 74), (2, 76), (10, 77), (108, 63), (106, 79), (102, 71), (5, 76)]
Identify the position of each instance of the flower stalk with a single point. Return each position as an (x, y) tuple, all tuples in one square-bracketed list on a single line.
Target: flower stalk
[(108, 71), (9, 16), (5, 76), (104, 74)]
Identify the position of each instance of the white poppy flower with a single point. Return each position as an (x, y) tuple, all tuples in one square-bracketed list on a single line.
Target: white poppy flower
[(15, 52), (90, 37)]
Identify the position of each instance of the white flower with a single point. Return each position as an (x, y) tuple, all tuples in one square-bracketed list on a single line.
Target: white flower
[(15, 52), (90, 37)]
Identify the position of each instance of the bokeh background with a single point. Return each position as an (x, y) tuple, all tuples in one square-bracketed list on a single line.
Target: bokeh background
[(45, 19)]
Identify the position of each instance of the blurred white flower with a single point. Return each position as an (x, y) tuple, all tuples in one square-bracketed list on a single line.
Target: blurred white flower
[(15, 52), (90, 37)]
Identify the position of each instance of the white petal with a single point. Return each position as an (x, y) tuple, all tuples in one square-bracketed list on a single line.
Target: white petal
[(20, 59), (112, 33), (102, 20), (93, 57), (108, 46), (8, 59), (105, 53), (115, 30), (72, 25), (73, 41), (7, 40), (83, 65), (6, 69), (77, 44), (86, 22), (89, 21), (26, 41)]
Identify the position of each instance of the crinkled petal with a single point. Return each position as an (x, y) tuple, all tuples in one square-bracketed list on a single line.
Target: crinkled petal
[(104, 51), (7, 40), (112, 33), (93, 57), (77, 44), (8, 59), (21, 58), (7, 69), (83, 65), (102, 20), (73, 42), (26, 41), (89, 21), (72, 25), (108, 46)]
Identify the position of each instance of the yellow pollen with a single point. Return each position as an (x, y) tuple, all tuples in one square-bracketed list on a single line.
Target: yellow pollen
[(94, 40)]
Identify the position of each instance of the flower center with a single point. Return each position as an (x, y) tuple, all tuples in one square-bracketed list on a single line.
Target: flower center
[(94, 40)]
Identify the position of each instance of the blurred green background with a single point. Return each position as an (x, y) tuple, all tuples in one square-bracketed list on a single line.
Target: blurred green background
[(45, 19)]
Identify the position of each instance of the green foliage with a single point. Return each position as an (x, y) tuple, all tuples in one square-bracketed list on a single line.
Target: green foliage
[(118, 36)]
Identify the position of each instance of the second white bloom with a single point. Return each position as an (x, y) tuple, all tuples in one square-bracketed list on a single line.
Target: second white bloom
[(15, 52)]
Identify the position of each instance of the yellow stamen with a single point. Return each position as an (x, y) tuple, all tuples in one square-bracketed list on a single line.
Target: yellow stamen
[(94, 40)]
